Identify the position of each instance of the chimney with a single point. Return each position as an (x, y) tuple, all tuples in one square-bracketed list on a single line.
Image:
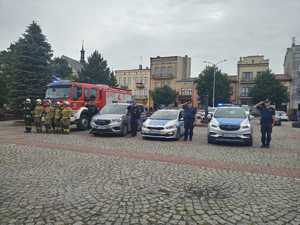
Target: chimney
[(293, 41)]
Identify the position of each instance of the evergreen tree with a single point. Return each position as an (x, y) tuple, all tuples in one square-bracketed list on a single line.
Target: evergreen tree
[(266, 86), (205, 85), (163, 96), (60, 68), (96, 71), (31, 56), (113, 80), (5, 74)]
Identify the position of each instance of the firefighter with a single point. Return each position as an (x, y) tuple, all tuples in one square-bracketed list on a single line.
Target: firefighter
[(66, 117), (48, 115), (57, 117), (27, 115), (38, 113)]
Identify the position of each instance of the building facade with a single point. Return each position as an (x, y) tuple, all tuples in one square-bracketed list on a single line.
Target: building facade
[(292, 70), (137, 80), (168, 70), (248, 68), (233, 79), (186, 91)]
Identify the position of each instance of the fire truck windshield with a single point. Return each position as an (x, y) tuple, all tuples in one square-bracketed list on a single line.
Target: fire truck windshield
[(58, 92)]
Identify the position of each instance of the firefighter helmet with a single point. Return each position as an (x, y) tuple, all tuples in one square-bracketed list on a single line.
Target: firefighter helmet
[(28, 100), (39, 101)]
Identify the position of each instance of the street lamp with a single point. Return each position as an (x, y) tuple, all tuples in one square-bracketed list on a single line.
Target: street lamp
[(214, 83)]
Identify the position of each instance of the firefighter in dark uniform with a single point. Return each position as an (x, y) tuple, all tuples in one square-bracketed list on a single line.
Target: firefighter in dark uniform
[(92, 108), (66, 117), (134, 114), (189, 119), (267, 120), (28, 115), (38, 114)]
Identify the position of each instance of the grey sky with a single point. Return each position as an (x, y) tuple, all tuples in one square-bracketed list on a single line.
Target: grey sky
[(123, 31)]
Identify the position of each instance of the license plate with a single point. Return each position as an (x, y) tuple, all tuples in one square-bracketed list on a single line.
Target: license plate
[(101, 127), (229, 135), (154, 132)]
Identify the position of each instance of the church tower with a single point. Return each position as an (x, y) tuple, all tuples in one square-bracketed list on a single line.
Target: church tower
[(82, 52)]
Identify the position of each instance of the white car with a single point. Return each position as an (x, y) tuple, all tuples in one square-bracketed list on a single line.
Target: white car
[(165, 123), (283, 116), (230, 124)]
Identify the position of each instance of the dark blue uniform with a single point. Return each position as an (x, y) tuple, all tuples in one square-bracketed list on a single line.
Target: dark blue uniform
[(134, 117), (266, 124), (189, 118)]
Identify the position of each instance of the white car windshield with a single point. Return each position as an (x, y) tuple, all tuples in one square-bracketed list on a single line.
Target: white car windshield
[(230, 113), (164, 115), (114, 109)]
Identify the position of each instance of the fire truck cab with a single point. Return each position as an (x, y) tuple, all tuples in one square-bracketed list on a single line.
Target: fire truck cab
[(79, 93)]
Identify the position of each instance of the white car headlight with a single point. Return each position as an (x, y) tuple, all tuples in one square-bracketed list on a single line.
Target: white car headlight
[(245, 124), (214, 123), (171, 127)]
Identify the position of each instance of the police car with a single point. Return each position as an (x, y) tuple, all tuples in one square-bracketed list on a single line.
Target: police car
[(230, 124)]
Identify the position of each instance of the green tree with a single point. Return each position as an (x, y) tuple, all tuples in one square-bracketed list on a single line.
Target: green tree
[(266, 86), (163, 96), (60, 67), (30, 60), (96, 71), (5, 74), (205, 85), (113, 80)]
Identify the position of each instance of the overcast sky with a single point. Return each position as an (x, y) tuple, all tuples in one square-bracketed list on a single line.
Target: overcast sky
[(125, 30)]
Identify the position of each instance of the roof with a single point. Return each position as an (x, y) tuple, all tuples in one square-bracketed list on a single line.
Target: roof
[(74, 64), (282, 77)]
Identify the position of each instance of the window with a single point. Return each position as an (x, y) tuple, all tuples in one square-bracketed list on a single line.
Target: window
[(259, 73), (186, 91), (156, 70), (163, 71), (86, 93), (245, 91), (94, 92), (170, 70), (247, 76), (78, 92), (124, 81)]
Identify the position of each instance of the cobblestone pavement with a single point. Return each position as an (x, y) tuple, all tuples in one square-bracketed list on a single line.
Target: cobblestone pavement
[(79, 179)]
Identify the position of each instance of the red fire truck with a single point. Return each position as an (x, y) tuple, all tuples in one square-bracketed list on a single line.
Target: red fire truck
[(78, 94)]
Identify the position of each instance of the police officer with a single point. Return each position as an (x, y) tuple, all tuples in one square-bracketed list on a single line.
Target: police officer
[(189, 119), (134, 114), (267, 120), (92, 108), (57, 117), (38, 113), (27, 115), (66, 117), (48, 115)]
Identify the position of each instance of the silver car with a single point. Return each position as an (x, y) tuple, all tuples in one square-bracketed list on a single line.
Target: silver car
[(112, 119), (165, 123), (230, 124)]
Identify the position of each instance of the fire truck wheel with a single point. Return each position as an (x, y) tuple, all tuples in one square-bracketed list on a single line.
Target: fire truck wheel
[(83, 122)]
